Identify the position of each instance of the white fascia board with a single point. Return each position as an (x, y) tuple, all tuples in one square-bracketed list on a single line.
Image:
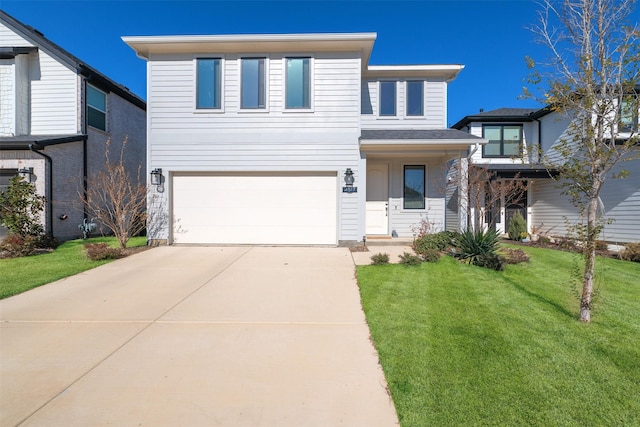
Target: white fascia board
[(145, 45), (449, 71), (413, 142)]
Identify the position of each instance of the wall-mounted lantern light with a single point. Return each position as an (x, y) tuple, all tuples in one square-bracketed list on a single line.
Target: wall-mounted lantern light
[(26, 173), (156, 177), (348, 177)]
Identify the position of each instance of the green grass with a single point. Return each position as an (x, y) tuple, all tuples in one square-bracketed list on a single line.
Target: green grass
[(18, 275), (463, 345)]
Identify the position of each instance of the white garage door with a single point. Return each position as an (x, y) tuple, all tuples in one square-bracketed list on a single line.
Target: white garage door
[(254, 209)]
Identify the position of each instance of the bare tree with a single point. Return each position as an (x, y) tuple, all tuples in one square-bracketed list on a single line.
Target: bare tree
[(116, 198), (591, 79)]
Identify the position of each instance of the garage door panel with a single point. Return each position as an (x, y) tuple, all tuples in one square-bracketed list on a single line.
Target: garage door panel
[(255, 209)]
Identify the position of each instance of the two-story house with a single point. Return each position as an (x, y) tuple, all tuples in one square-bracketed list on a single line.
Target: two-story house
[(56, 114), (293, 139), (546, 209)]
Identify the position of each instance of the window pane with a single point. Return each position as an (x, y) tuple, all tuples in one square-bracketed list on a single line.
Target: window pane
[(298, 83), (494, 135), (414, 187), (415, 99), (512, 140), (208, 83), (253, 83), (387, 98), (96, 99), (96, 118), (628, 115)]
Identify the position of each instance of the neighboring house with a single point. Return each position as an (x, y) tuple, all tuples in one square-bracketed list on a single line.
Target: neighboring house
[(293, 139), (543, 205), (56, 113)]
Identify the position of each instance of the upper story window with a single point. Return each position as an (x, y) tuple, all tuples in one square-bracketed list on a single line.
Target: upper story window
[(414, 187), (628, 115), (96, 108), (298, 83), (253, 83), (415, 98), (208, 83), (504, 140), (387, 98)]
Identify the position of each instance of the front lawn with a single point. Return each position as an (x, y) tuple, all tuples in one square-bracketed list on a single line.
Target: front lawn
[(464, 345), (18, 275)]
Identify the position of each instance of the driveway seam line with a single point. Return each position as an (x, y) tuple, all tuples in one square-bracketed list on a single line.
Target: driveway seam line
[(120, 347)]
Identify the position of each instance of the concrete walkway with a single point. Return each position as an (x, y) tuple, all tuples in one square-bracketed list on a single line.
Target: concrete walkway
[(195, 336)]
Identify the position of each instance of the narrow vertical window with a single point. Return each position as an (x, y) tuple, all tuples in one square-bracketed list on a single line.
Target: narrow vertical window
[(208, 83), (628, 114), (414, 187), (387, 98), (252, 83), (96, 108), (415, 98), (298, 82)]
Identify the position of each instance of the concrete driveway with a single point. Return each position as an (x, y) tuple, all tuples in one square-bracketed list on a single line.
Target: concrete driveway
[(195, 336)]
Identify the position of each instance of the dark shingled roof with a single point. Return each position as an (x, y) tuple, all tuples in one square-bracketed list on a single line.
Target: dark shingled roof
[(504, 115), (412, 134), (22, 142)]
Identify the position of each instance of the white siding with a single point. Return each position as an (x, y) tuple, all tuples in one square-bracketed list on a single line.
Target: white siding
[(620, 197), (181, 139), (54, 89), (435, 107), (7, 97)]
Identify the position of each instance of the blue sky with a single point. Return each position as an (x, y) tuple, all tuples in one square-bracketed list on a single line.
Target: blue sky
[(491, 38)]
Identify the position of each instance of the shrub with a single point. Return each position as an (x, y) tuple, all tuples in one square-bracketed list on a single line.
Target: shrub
[(438, 241), (15, 245), (631, 252), (409, 259), (490, 260), (514, 256), (601, 245), (379, 259), (431, 255), (20, 207), (473, 244), (102, 251), (517, 227)]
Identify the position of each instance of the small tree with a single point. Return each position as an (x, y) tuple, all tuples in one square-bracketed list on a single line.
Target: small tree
[(20, 208), (116, 198), (591, 79)]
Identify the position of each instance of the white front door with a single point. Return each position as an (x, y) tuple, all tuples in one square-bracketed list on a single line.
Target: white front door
[(377, 221)]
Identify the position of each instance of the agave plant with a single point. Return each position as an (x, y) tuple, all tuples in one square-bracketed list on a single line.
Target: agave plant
[(475, 246)]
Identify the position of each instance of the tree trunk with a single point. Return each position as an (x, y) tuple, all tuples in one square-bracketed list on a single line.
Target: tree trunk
[(590, 260)]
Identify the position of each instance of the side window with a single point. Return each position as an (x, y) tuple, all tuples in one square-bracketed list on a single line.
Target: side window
[(298, 83), (415, 98), (387, 98), (414, 187), (208, 83), (253, 83), (96, 108), (628, 121), (504, 140)]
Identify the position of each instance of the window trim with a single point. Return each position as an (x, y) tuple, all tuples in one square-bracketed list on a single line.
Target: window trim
[(502, 155), (195, 84), (424, 195), (266, 84), (379, 109), (310, 108), (406, 102), (106, 106)]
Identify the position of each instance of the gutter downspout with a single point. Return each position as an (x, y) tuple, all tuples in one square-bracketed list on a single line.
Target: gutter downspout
[(49, 190)]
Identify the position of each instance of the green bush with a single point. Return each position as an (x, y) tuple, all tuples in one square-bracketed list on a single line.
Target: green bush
[(517, 227), (631, 252), (409, 259), (474, 244), (102, 251), (379, 259), (20, 207), (431, 255), (439, 241)]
